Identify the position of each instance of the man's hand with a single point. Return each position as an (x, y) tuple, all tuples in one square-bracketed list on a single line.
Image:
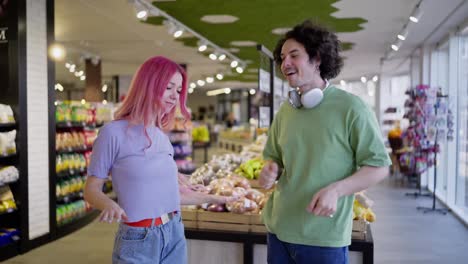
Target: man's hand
[(268, 174), (324, 202)]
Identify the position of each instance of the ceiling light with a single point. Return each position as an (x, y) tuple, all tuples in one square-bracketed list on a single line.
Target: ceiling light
[(77, 74), (209, 79), (83, 78), (219, 76), (59, 87), (219, 19), (200, 82), (57, 52), (234, 64), (252, 91), (213, 56), (104, 88), (416, 16), (243, 43), (363, 79), (83, 101), (375, 78), (218, 91), (178, 33), (403, 34), (202, 48), (142, 15), (280, 31), (173, 24), (343, 83), (239, 70), (104, 101), (193, 85), (222, 57), (67, 65)]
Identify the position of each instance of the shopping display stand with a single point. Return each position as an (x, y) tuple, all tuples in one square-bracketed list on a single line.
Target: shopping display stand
[(433, 208)]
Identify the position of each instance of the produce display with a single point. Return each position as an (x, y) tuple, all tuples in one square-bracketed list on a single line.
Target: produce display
[(362, 208), (6, 114), (251, 169), (201, 134)]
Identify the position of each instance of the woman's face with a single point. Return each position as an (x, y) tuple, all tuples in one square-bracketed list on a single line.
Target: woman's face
[(171, 95)]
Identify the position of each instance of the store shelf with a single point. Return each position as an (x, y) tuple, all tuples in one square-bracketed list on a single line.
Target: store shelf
[(7, 127), (71, 124), (9, 250), (9, 212), (8, 157), (187, 171), (74, 150), (78, 223), (178, 131), (71, 173), (182, 156), (7, 183), (72, 197)]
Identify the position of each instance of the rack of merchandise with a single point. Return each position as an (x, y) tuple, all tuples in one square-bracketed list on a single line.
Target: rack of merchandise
[(181, 139), (9, 177), (77, 127), (419, 153)]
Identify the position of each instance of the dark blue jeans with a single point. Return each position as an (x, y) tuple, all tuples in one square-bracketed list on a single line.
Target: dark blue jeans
[(280, 252)]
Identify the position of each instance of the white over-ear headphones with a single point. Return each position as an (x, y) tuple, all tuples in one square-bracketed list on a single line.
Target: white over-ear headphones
[(309, 99)]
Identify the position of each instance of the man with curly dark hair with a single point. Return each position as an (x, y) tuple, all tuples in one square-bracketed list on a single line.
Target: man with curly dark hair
[(329, 146)]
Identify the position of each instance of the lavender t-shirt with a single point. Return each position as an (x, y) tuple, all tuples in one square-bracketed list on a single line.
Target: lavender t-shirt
[(144, 179)]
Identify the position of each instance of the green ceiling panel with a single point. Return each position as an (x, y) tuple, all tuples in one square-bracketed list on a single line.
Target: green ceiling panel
[(257, 18)]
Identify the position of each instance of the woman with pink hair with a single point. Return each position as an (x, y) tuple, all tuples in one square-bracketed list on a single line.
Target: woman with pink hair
[(136, 151)]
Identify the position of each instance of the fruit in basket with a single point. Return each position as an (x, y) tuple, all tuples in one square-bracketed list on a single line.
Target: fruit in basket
[(216, 208), (251, 169)]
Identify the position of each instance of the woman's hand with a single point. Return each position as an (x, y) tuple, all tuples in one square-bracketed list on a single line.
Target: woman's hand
[(113, 212), (217, 199)]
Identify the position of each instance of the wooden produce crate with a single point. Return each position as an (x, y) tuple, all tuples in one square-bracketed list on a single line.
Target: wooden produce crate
[(256, 224), (189, 218), (359, 229), (360, 225), (223, 221)]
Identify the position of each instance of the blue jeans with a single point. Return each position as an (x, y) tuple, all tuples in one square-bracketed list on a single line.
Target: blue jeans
[(163, 244), (280, 252)]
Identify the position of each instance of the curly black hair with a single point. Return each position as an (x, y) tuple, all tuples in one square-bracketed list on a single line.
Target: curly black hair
[(317, 41)]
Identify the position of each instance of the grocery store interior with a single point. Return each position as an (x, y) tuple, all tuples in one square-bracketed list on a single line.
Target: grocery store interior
[(66, 67)]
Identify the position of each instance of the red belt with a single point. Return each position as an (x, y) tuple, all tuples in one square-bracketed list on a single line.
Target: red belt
[(163, 219)]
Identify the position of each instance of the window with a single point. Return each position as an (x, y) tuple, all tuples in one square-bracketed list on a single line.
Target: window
[(461, 199)]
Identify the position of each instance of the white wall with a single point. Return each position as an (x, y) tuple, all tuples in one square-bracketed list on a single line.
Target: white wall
[(37, 115)]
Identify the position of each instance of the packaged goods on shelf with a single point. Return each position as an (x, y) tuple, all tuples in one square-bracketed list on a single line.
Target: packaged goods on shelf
[(8, 174), (7, 201), (8, 236), (6, 114), (7, 143), (70, 212)]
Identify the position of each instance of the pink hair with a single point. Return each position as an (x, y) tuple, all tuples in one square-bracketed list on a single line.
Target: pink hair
[(143, 104)]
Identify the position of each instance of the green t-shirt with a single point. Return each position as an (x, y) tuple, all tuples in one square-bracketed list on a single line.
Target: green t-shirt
[(317, 147)]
